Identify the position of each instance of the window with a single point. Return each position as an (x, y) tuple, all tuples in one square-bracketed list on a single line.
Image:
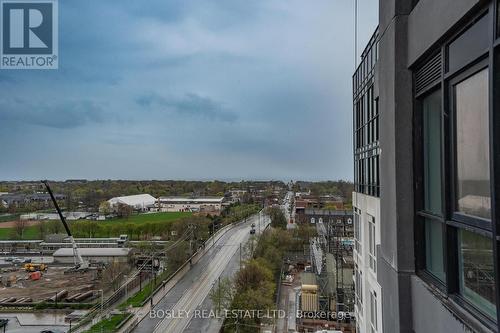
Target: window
[(472, 146), (431, 106), (373, 311), (477, 283), (366, 120), (371, 243), (434, 248), (357, 232), (359, 289)]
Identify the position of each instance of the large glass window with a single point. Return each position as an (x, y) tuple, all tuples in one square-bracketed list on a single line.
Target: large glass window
[(472, 146), (373, 312), (357, 232), (434, 248), (477, 282), (432, 152), (371, 243)]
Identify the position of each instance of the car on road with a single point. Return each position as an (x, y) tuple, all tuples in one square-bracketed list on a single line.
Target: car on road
[(252, 231), (51, 331)]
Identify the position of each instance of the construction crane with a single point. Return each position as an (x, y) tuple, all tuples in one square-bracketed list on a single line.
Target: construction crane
[(80, 264)]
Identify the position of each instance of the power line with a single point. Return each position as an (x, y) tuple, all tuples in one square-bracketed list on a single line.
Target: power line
[(355, 33)]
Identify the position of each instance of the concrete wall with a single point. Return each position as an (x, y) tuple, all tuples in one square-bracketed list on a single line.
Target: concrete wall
[(432, 313), (395, 264), (430, 20)]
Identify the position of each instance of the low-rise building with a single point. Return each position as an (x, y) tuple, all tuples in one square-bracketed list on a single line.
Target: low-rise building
[(180, 204), (308, 292), (69, 216), (106, 255)]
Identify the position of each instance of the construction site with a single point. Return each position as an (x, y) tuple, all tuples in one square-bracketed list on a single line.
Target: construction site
[(71, 281), (20, 287)]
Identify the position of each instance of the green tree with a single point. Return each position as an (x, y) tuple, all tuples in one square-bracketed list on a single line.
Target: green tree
[(41, 228), (278, 219), (104, 207), (124, 211), (222, 293)]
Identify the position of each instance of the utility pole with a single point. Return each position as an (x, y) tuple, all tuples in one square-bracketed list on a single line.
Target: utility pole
[(219, 295), (126, 288), (152, 272), (240, 256), (260, 219), (102, 305)]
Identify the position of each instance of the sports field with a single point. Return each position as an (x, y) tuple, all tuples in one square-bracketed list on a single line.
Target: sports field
[(32, 232)]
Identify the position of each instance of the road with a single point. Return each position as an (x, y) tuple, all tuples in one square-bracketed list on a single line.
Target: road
[(288, 208), (191, 292)]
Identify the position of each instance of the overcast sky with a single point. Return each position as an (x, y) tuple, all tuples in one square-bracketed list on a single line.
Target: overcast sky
[(187, 89)]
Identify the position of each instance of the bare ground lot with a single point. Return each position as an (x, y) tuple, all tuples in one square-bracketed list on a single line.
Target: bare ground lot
[(12, 224), (52, 281)]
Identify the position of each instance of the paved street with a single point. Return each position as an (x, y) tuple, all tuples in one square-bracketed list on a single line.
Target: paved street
[(191, 292)]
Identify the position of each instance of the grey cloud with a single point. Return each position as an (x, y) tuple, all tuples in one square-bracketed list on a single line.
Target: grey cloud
[(69, 114), (190, 104), (6, 79)]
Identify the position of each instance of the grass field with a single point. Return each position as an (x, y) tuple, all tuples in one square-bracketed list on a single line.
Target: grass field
[(150, 217), (107, 325), (29, 233), (32, 232), (8, 217)]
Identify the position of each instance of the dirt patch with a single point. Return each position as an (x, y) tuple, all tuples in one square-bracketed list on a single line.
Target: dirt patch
[(12, 224), (52, 281)]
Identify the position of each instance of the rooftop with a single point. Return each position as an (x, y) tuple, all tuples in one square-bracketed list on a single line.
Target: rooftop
[(183, 199), (93, 252), (132, 200)]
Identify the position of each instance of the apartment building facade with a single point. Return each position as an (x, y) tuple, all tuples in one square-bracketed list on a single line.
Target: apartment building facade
[(437, 87)]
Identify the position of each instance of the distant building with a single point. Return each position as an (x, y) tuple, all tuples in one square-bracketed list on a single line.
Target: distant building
[(304, 202), (316, 215), (19, 199), (138, 202), (236, 195), (70, 216), (203, 205)]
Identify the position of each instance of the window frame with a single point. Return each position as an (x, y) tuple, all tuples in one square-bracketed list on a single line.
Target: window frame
[(372, 244), (478, 223)]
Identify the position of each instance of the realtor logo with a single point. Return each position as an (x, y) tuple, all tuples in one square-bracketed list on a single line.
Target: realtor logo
[(29, 38)]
